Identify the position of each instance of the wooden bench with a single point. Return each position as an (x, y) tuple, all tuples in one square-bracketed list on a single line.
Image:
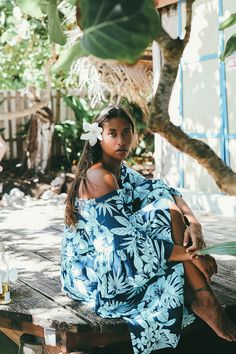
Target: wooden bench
[(40, 308)]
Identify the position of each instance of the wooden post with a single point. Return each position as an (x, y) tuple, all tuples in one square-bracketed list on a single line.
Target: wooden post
[(10, 125), (57, 115)]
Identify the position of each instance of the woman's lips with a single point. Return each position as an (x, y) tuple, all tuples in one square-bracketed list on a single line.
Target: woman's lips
[(121, 150)]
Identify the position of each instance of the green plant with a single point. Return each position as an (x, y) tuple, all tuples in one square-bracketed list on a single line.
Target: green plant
[(231, 42), (68, 132), (223, 248), (22, 132), (126, 28)]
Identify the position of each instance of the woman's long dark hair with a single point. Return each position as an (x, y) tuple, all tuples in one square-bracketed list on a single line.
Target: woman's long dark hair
[(90, 156)]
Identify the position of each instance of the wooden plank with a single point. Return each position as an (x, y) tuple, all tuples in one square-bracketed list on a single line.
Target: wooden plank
[(15, 335), (85, 341), (10, 125), (29, 305), (5, 124), (51, 287), (25, 327), (53, 284), (40, 271), (41, 244), (19, 122), (44, 276), (67, 341)]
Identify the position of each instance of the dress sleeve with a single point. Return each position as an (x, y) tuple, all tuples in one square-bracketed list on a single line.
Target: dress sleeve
[(145, 191), (151, 190)]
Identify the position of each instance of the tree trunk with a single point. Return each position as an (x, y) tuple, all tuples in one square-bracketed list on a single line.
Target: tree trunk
[(160, 123), (39, 140)]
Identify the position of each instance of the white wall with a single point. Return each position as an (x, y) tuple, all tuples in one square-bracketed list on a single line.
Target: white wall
[(208, 107)]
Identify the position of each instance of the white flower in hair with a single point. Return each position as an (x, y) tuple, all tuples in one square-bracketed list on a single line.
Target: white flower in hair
[(93, 133)]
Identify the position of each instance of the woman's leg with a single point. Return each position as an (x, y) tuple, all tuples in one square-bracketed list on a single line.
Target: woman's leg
[(204, 302)]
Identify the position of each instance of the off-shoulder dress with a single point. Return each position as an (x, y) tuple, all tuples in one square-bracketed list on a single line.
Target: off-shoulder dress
[(116, 259)]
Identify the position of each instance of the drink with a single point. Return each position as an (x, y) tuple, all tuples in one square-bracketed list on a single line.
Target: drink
[(5, 294), (4, 278)]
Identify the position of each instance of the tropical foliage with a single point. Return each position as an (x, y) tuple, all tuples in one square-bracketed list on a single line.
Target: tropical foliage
[(228, 248), (24, 48), (68, 132), (125, 28), (231, 42)]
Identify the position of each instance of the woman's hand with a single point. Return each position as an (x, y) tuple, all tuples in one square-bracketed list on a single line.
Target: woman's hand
[(205, 264), (193, 237)]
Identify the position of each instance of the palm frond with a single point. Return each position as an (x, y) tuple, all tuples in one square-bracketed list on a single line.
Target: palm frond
[(228, 248), (107, 80)]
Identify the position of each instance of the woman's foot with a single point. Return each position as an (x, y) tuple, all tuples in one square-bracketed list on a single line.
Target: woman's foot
[(210, 311)]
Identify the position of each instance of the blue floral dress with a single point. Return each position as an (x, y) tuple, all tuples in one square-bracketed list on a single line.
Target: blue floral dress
[(116, 258)]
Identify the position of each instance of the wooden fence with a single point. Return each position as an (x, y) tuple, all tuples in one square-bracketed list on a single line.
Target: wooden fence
[(18, 101)]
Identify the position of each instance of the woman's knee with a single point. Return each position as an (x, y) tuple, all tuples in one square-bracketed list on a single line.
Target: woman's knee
[(175, 212), (178, 224)]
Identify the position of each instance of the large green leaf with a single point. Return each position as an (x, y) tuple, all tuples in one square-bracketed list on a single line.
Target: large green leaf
[(55, 31), (67, 57), (228, 248), (231, 20), (43, 4), (230, 47), (72, 2), (113, 29), (30, 7), (39, 8), (118, 29)]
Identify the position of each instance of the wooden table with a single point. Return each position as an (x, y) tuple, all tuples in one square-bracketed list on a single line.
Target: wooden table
[(32, 236)]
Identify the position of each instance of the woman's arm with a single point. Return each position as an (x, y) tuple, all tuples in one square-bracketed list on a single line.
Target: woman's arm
[(193, 232), (205, 264), (179, 254)]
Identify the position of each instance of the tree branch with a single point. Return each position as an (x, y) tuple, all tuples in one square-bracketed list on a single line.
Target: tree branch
[(189, 14), (172, 50), (223, 175)]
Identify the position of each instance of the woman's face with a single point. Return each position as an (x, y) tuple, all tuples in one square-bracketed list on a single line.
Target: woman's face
[(117, 138)]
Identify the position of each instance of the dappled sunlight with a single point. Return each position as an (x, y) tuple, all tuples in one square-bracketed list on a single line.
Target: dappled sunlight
[(167, 169), (34, 217), (29, 264), (232, 149), (196, 177), (203, 39), (174, 111), (201, 97), (230, 85)]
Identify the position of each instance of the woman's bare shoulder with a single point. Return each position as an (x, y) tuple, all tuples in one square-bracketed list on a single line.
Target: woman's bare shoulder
[(99, 181)]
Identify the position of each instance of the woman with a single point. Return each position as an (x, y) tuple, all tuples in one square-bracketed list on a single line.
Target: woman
[(126, 247)]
